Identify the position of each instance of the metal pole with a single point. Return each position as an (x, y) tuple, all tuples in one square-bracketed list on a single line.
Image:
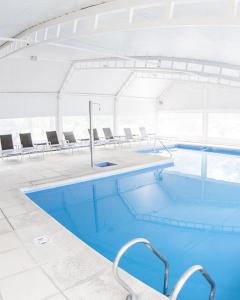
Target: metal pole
[(59, 120), (91, 133), (115, 116)]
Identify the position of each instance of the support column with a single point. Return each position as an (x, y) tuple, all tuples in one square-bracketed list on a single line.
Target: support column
[(59, 114), (205, 115), (115, 116), (162, 96), (156, 116), (116, 102), (59, 120), (90, 109)]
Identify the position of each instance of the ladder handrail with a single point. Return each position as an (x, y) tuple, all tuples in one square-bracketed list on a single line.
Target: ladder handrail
[(184, 278), (163, 145), (123, 250)]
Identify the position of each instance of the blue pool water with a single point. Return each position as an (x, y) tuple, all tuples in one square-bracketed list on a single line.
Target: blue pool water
[(190, 211)]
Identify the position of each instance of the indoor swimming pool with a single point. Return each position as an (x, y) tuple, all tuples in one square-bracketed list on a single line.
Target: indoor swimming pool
[(190, 212)]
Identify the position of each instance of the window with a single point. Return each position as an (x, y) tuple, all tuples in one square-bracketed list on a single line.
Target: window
[(101, 121), (180, 124), (80, 124), (134, 122), (77, 124), (135, 113), (37, 126), (224, 125)]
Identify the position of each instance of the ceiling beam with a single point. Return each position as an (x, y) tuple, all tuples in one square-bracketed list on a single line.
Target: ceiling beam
[(124, 84), (214, 71), (9, 39), (66, 79), (90, 48)]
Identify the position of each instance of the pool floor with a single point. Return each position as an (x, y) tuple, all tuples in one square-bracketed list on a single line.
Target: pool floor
[(189, 211)]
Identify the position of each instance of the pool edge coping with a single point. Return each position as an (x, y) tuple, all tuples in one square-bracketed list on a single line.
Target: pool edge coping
[(94, 176)]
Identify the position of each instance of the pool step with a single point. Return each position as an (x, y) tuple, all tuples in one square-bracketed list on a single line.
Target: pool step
[(178, 287)]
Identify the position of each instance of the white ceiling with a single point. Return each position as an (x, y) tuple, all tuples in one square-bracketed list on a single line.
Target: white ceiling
[(207, 43), (16, 15), (212, 43)]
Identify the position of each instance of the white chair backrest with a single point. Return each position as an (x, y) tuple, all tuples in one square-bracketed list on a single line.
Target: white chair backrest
[(143, 131), (128, 133)]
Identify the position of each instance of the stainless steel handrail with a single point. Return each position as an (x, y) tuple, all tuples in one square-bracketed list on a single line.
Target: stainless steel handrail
[(163, 145), (131, 294), (184, 278)]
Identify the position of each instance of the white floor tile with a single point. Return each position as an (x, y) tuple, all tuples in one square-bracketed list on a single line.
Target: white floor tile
[(98, 289), (30, 285), (4, 226), (14, 261), (9, 241), (105, 287), (12, 211), (57, 297), (74, 269)]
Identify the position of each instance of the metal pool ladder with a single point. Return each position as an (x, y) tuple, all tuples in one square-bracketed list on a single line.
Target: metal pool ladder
[(163, 146), (184, 278), (178, 287), (123, 250)]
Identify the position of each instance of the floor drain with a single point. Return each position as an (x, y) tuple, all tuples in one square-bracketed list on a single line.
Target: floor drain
[(41, 240)]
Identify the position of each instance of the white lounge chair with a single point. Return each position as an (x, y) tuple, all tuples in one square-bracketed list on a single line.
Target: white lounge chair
[(27, 145), (7, 147)]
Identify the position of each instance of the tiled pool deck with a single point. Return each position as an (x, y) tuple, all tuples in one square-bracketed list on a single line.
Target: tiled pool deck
[(64, 267)]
